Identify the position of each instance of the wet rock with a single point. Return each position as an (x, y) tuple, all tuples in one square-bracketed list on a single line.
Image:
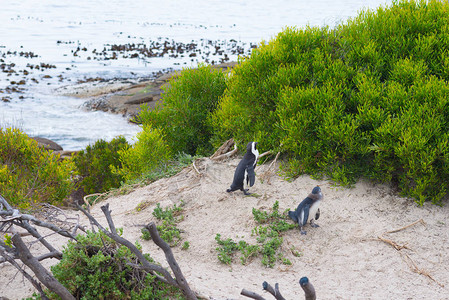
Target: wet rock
[(144, 97), (47, 144)]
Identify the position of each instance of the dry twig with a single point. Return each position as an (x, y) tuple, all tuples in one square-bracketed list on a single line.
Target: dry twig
[(412, 265), (407, 226)]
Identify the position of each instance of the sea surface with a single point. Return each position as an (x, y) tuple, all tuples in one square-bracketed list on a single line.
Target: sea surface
[(49, 44)]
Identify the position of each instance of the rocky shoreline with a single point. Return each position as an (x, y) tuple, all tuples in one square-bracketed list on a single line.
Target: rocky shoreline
[(123, 96)]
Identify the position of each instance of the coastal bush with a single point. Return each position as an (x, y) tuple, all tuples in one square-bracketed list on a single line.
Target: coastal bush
[(96, 267), (188, 101), (29, 174), (150, 153), (368, 98), (94, 165)]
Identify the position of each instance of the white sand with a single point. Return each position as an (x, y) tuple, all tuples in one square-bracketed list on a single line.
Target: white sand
[(343, 258)]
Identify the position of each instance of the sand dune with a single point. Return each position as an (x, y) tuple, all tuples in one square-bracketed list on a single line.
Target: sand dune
[(343, 258)]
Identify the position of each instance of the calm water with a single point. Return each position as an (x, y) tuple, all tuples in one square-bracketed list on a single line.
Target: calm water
[(48, 44)]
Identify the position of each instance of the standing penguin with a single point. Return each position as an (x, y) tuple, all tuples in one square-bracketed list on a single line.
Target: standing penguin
[(245, 169), (308, 209)]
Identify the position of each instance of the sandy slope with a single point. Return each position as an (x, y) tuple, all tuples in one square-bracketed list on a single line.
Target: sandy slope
[(343, 258)]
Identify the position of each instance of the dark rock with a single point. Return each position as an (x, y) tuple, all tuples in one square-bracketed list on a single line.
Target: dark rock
[(145, 97), (47, 144)]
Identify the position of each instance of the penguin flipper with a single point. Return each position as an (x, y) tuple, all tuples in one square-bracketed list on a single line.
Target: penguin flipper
[(305, 214), (250, 176)]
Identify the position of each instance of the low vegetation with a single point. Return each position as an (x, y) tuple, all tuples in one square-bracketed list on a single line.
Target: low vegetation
[(29, 174), (269, 240), (167, 228), (94, 165), (96, 267)]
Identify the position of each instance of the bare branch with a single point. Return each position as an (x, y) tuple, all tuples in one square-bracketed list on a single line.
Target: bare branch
[(309, 290), (225, 151), (41, 273), (15, 215), (264, 154), (252, 295), (407, 226), (275, 292), (24, 273), (151, 268), (180, 279)]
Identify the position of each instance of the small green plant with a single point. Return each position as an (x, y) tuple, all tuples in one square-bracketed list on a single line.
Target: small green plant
[(145, 234), (7, 240), (226, 249), (268, 236), (168, 218), (295, 252), (185, 246)]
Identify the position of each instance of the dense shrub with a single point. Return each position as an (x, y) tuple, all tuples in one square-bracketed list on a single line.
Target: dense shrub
[(188, 101), (94, 165), (96, 267), (368, 98), (149, 153), (29, 174)]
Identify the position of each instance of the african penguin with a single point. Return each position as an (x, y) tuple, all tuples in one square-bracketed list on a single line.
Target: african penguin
[(308, 288), (308, 209), (244, 173)]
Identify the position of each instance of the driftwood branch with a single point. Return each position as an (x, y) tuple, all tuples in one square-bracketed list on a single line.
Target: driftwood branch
[(180, 279), (275, 292), (10, 217), (252, 295), (225, 151), (265, 153), (41, 273), (407, 226), (412, 265), (151, 268), (308, 288), (13, 262)]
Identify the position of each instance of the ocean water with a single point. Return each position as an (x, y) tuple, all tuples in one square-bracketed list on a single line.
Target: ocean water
[(49, 44)]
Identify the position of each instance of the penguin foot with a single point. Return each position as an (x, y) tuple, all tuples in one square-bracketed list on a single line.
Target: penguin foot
[(303, 232), (228, 190), (314, 225), (246, 192)]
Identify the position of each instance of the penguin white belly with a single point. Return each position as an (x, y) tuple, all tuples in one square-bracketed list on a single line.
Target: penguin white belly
[(313, 210)]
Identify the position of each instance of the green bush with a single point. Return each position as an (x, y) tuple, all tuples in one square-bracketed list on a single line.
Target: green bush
[(30, 174), (150, 153), (368, 98), (93, 165), (188, 101), (96, 267)]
